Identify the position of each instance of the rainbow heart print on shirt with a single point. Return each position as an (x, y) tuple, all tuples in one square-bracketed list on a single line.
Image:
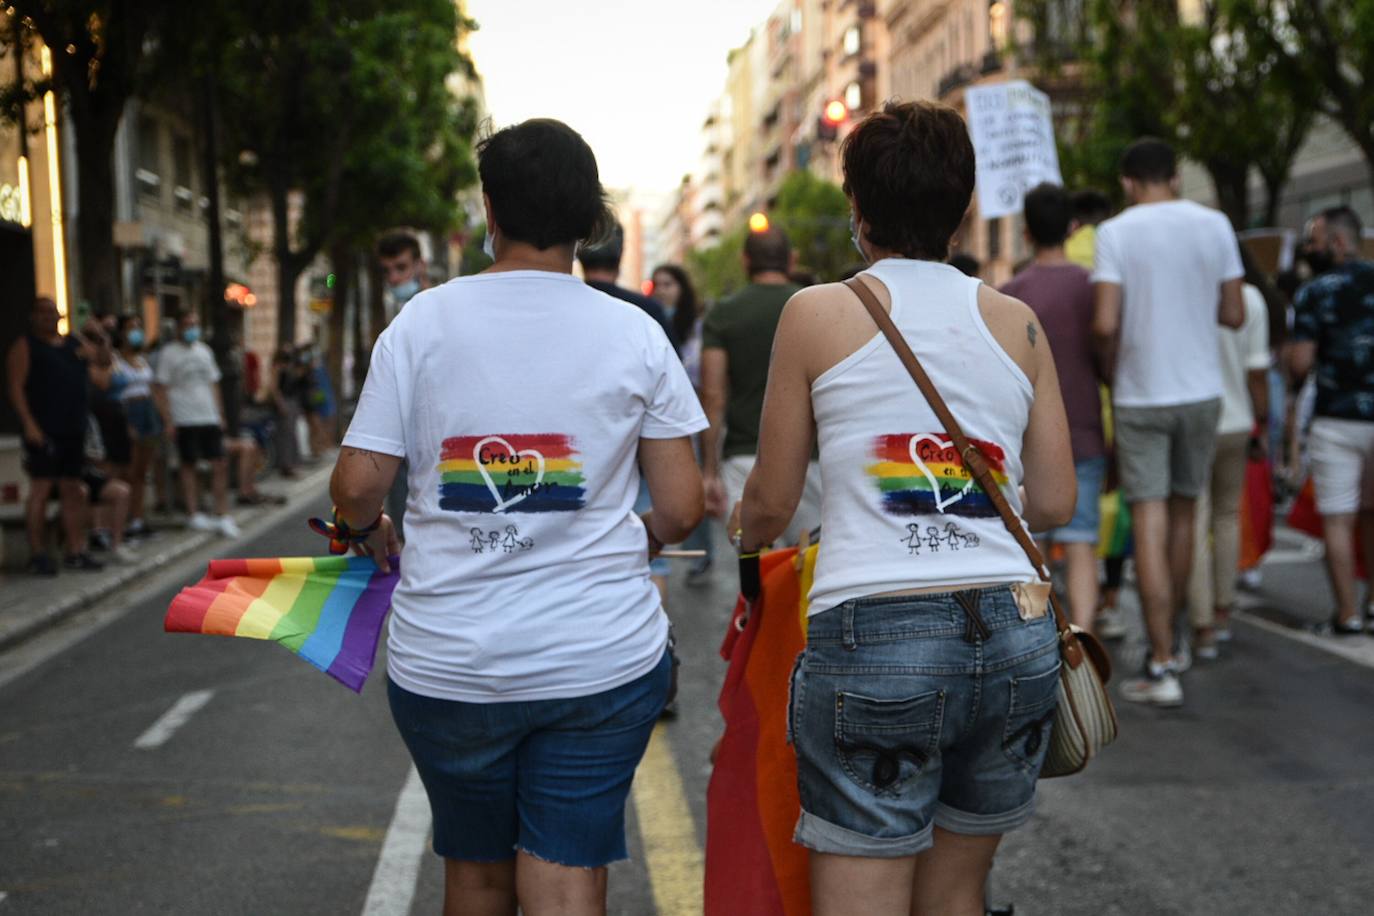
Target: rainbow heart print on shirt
[(511, 472), (922, 474)]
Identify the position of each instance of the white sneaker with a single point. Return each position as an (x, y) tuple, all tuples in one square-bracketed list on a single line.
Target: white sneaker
[(1109, 624), (226, 526), (1158, 687), (125, 554), (199, 521)]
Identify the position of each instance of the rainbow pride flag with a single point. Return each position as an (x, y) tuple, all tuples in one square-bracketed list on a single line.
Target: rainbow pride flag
[(922, 474), (752, 865), (539, 472), (327, 610)]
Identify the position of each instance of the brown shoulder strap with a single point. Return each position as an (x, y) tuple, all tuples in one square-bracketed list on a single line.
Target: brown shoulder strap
[(971, 455)]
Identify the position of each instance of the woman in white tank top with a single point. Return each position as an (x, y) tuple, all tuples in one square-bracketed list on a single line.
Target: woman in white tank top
[(920, 710)]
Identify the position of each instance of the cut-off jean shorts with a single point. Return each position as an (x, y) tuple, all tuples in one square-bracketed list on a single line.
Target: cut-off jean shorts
[(549, 777), (914, 711)]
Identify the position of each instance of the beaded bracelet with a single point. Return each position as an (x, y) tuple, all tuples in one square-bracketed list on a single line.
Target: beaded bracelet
[(340, 534)]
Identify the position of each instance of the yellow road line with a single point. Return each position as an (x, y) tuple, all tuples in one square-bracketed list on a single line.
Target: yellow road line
[(671, 852)]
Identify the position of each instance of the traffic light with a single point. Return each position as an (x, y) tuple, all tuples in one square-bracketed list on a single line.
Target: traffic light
[(835, 114), (758, 222)]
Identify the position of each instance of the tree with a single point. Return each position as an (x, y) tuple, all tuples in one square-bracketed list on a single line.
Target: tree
[(99, 51), (815, 215), (1212, 85), (346, 103), (1327, 45), (718, 270)]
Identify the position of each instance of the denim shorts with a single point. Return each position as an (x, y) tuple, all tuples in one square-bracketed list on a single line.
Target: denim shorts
[(1091, 473), (547, 777), (916, 711)]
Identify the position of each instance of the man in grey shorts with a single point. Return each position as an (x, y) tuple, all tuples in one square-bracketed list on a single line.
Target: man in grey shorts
[(1166, 272)]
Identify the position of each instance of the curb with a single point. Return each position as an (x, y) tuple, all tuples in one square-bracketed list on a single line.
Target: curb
[(81, 598)]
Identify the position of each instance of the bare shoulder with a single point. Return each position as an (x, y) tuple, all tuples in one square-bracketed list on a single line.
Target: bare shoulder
[(1014, 326)]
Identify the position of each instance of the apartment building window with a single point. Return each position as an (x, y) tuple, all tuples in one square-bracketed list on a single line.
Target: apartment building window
[(149, 171), (998, 24), (854, 97), (853, 41), (181, 172)]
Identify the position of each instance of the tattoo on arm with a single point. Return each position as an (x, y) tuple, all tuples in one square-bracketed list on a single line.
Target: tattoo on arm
[(1030, 332), (371, 456)]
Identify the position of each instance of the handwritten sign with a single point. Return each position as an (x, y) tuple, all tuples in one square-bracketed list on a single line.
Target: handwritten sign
[(1013, 137)]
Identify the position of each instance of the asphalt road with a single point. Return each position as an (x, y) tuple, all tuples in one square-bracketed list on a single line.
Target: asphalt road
[(278, 792)]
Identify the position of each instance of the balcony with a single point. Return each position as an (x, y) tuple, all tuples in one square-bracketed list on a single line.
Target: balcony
[(957, 78)]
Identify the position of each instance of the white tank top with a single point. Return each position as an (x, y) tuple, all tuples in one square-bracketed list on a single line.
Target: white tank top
[(898, 509)]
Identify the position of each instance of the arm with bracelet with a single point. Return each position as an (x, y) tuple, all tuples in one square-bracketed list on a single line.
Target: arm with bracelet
[(358, 486)]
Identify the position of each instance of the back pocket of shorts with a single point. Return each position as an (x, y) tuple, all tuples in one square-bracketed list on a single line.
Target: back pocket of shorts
[(1030, 718), (882, 744)]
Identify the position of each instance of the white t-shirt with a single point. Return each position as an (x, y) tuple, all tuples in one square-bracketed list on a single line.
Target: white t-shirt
[(519, 399), (1170, 259), (189, 373), (1243, 350)]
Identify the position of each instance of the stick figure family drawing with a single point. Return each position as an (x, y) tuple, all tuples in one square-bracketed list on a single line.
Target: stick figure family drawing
[(508, 541), (933, 538)]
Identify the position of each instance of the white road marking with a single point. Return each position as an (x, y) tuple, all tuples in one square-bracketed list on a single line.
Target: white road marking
[(1359, 650), (3, 895), (167, 724), (398, 867)]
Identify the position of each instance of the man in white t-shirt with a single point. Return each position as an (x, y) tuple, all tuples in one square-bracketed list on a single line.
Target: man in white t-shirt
[(1166, 272), (188, 397)]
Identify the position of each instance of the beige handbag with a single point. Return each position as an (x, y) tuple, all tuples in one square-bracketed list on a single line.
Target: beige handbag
[(1085, 721)]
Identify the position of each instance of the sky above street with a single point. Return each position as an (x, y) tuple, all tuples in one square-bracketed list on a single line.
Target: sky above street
[(634, 77)]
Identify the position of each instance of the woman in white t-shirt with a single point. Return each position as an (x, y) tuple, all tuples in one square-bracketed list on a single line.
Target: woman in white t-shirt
[(526, 653)]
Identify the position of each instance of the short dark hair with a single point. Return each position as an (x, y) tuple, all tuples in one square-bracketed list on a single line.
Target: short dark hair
[(1048, 211), (543, 183), (965, 263), (768, 250), (605, 254), (395, 244), (1091, 206), (1346, 220), (1150, 160), (909, 170)]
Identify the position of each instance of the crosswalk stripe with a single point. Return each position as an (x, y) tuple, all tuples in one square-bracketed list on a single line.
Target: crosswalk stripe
[(171, 720), (671, 852)]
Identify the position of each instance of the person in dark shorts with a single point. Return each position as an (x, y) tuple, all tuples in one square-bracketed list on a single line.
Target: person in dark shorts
[(49, 389), (188, 397)]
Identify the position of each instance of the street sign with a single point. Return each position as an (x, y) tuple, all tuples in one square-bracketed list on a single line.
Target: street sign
[(1013, 137)]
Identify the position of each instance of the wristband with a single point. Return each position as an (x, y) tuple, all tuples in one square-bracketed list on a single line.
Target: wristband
[(340, 535)]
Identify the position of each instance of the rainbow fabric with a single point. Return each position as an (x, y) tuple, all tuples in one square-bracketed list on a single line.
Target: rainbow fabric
[(539, 472), (752, 865), (327, 610), (922, 474)]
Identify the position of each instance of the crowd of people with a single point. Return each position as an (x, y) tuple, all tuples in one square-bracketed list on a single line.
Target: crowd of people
[(544, 437), (547, 441), (111, 412)]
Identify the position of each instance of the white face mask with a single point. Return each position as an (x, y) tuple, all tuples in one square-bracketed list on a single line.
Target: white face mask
[(855, 238), (489, 245)]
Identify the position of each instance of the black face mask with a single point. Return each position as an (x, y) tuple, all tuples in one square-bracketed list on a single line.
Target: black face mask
[(1318, 261)]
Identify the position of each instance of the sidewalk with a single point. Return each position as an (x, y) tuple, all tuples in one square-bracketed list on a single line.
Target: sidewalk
[(31, 604)]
